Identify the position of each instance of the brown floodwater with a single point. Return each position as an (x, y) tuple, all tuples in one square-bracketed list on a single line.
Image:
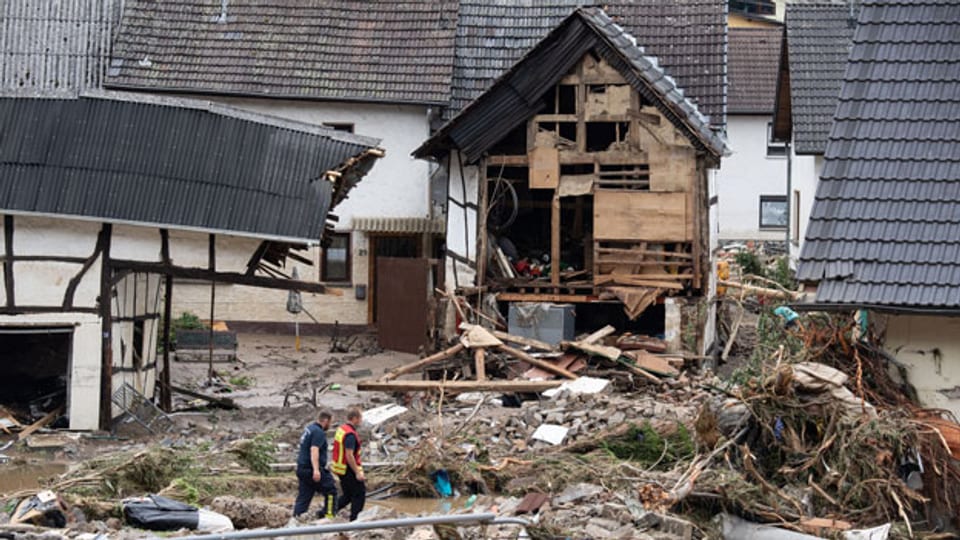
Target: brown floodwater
[(17, 476)]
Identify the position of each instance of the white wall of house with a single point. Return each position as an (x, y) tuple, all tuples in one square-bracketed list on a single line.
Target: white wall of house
[(746, 175), (397, 186), (930, 348), (805, 176)]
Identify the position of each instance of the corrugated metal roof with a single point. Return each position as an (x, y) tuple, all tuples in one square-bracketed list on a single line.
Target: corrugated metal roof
[(885, 225), (687, 36), (54, 46), (818, 38), (753, 55), (399, 225), (376, 50), (170, 166), (515, 96)]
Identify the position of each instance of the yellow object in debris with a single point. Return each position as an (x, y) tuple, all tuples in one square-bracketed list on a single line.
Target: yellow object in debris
[(723, 274), (220, 326)]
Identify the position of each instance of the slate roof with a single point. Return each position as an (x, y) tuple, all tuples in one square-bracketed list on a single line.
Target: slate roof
[(375, 50), (54, 46), (753, 55), (885, 225), (170, 166), (515, 96), (818, 42), (687, 37)]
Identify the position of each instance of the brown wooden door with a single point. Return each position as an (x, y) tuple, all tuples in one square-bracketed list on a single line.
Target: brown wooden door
[(402, 292)]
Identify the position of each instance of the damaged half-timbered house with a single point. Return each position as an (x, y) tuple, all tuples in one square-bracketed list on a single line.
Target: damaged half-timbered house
[(106, 201), (584, 172)]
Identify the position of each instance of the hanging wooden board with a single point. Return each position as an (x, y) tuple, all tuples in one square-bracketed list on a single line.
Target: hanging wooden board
[(631, 215)]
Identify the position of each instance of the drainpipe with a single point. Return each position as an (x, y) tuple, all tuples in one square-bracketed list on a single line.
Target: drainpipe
[(456, 519), (789, 199)]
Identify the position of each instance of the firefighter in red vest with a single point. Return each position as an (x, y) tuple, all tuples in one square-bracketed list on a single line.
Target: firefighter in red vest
[(345, 463)]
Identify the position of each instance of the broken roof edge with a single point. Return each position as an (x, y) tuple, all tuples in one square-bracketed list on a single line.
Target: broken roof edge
[(232, 112), (162, 225), (782, 103), (701, 133)]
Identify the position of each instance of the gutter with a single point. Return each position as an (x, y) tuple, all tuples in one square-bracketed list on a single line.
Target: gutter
[(895, 310)]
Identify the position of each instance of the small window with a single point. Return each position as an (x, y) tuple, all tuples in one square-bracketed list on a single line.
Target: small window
[(335, 259), (773, 212), (339, 126), (774, 149)]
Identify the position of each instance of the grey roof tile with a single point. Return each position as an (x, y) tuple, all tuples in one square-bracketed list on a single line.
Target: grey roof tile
[(377, 50), (170, 166), (688, 37), (753, 55), (888, 201), (818, 43)]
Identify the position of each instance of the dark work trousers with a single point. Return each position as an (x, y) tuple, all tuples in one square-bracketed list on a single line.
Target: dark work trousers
[(354, 494), (306, 488)]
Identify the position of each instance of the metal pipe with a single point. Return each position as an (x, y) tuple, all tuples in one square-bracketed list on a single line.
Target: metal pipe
[(461, 519)]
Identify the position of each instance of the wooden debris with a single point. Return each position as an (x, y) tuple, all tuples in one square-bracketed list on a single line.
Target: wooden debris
[(532, 502), (631, 342), (226, 403), (458, 386), (510, 338), (598, 335), (546, 366), (654, 364), (761, 291), (47, 419), (611, 353), (817, 525), (477, 337), (407, 368), (569, 361)]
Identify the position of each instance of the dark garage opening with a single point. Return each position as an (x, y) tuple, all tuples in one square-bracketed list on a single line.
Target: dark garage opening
[(34, 369)]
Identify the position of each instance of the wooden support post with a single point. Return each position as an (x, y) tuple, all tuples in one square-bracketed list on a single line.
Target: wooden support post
[(442, 355), (457, 386), (546, 366), (106, 331), (482, 211), (555, 239), (480, 361), (166, 400), (8, 260)]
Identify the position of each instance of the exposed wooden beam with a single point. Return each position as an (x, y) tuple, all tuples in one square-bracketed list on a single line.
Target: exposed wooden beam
[(166, 401), (457, 386), (106, 330), (74, 282), (205, 274), (544, 297), (413, 366), (546, 366)]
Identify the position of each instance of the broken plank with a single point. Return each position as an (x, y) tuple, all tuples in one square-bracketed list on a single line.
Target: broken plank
[(651, 252), (457, 386), (657, 365), (518, 340), (546, 366), (47, 419), (407, 368), (761, 291), (814, 525), (611, 353), (639, 372), (558, 298), (621, 279), (226, 403), (598, 335), (481, 365), (477, 337)]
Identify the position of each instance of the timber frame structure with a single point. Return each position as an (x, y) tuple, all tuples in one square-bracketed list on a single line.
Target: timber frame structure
[(606, 162)]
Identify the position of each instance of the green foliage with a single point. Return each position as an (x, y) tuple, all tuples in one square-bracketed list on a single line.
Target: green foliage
[(749, 263), (645, 445), (186, 490), (242, 381), (782, 274), (257, 453)]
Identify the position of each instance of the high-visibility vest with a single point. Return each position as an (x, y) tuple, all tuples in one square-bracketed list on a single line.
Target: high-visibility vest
[(338, 463)]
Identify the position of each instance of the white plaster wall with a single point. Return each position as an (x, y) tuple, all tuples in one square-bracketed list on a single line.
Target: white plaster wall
[(744, 176), (83, 389), (915, 341), (243, 303), (45, 283), (461, 224), (131, 242), (805, 178)]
